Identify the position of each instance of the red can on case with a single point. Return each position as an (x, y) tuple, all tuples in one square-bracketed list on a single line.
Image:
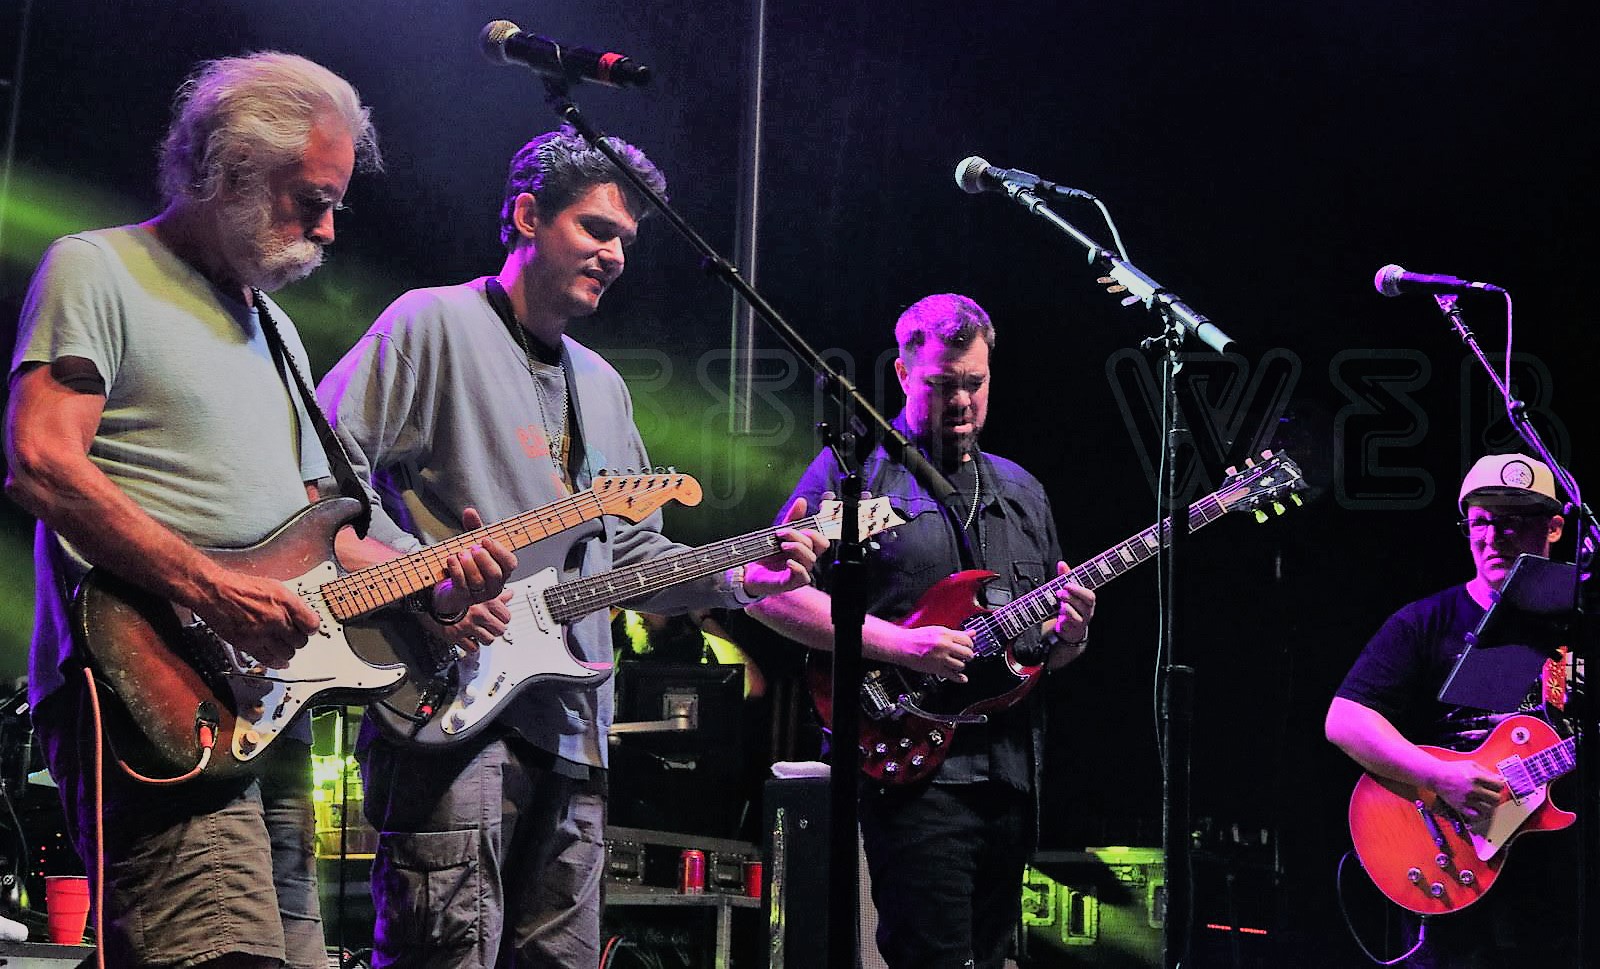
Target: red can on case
[(692, 872)]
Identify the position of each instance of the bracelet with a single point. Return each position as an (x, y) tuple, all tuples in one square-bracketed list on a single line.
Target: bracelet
[(1053, 639), (422, 603)]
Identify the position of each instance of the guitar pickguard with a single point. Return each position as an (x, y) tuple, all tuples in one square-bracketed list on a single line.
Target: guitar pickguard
[(450, 697), (267, 699)]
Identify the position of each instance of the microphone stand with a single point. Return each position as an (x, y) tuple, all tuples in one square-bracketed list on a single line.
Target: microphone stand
[(1179, 321), (1587, 541), (849, 598)]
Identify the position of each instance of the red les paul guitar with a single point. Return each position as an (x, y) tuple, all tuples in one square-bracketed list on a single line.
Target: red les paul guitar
[(1428, 859), (909, 717)]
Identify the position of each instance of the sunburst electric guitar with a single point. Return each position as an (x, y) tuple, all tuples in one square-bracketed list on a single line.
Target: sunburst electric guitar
[(451, 697), (1429, 859), (909, 717), (178, 684)]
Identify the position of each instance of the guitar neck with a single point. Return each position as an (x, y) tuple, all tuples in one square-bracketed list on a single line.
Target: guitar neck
[(576, 598), (1552, 762), (1033, 608), (388, 582)]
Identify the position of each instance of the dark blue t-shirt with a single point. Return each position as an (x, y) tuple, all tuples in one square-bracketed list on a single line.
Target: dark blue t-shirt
[(1404, 666)]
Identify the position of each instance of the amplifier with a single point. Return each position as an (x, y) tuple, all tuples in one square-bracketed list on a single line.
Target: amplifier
[(641, 857)]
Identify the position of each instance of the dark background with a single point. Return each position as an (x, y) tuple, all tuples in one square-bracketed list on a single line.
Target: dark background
[(1263, 160)]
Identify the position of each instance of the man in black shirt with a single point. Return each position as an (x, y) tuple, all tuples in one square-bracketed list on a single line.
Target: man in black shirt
[(946, 857), (1388, 704)]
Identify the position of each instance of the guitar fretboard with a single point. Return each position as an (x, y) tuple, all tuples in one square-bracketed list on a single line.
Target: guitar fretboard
[(388, 582), (576, 598), (1525, 774), (992, 631)]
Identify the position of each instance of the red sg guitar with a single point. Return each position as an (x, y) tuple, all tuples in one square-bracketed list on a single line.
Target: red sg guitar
[(909, 717), (1425, 857)]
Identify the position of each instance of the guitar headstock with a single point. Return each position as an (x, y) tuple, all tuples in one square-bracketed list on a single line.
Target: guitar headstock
[(1262, 485), (633, 496), (873, 516)]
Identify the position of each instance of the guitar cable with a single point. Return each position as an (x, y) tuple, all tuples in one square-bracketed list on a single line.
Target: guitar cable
[(206, 724), (99, 822), (1344, 911)]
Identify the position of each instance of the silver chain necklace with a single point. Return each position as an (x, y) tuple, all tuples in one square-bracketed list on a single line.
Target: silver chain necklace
[(558, 437), (977, 490)]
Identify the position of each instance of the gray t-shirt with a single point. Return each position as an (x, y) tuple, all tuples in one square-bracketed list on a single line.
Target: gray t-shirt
[(437, 407), (198, 426)]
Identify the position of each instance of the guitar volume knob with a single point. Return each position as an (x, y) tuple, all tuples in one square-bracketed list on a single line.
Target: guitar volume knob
[(1414, 875), (1442, 860), (1466, 877), (1436, 890), (880, 748)]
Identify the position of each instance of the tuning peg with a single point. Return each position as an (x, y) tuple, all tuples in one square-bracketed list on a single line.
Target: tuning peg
[(1249, 462), (1294, 496), (1261, 516), (1277, 508), (1230, 470), (1130, 300)]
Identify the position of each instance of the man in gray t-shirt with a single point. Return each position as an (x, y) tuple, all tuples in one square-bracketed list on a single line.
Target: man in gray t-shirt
[(491, 851), (147, 418)]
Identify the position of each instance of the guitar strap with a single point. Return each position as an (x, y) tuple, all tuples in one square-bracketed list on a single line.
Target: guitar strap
[(338, 460), (576, 469)]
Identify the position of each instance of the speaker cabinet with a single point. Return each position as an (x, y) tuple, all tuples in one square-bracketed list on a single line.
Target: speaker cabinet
[(795, 879)]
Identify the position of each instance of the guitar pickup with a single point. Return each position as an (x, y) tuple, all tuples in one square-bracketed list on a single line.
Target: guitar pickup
[(1432, 825)]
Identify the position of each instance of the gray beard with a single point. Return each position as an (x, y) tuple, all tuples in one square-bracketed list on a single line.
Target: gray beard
[(256, 259)]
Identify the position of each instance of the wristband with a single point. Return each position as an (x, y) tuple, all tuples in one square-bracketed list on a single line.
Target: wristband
[(1053, 639), (422, 602)]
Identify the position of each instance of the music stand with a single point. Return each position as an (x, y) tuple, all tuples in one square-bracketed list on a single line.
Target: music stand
[(1522, 629)]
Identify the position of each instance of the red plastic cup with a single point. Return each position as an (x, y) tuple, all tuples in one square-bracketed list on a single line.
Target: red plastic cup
[(752, 879), (66, 903)]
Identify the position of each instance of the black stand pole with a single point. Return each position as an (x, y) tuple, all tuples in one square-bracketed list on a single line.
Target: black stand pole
[(1179, 321), (849, 604), (1177, 679), (844, 918)]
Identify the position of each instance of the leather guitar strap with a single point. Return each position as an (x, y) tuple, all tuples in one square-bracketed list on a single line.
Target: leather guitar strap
[(338, 460)]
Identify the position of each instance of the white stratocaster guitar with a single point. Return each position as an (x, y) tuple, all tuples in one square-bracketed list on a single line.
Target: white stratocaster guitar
[(449, 697)]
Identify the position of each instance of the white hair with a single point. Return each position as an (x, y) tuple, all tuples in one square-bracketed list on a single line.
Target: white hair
[(238, 118)]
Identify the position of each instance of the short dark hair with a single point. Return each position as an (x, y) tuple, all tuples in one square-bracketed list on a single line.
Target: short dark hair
[(558, 166), (950, 318)]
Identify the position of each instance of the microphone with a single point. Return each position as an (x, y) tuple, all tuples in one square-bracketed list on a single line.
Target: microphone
[(503, 42), (975, 175), (1392, 280)]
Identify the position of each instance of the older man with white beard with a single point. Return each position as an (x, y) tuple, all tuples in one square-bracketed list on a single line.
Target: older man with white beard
[(149, 416)]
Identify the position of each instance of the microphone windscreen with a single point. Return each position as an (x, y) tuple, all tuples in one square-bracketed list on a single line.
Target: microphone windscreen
[(493, 39), (969, 174), (1387, 280)]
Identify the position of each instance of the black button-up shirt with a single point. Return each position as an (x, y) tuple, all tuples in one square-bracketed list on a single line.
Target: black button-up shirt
[(1013, 535)]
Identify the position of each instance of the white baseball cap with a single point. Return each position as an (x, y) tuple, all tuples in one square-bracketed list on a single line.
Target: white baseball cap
[(1515, 478)]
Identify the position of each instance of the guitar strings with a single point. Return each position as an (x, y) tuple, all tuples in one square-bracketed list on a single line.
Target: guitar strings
[(991, 631)]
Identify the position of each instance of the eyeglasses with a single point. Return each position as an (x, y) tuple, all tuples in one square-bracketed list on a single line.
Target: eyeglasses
[(1490, 524)]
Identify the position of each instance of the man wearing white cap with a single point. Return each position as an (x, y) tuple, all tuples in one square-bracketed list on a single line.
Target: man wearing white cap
[(1388, 704)]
